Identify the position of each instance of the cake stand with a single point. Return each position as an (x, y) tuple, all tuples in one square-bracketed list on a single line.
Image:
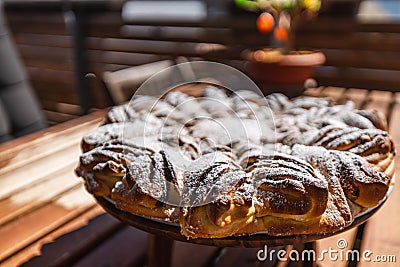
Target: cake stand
[(163, 233)]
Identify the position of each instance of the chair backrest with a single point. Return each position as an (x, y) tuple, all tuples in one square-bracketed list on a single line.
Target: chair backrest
[(123, 83), (20, 112)]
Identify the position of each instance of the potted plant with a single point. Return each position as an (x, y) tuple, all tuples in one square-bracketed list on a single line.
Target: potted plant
[(281, 67)]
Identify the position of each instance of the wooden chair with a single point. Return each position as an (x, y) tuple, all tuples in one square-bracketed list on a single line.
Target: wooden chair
[(20, 112), (123, 83)]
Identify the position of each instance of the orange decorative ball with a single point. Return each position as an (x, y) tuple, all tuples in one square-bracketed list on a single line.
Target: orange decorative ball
[(265, 22), (281, 34)]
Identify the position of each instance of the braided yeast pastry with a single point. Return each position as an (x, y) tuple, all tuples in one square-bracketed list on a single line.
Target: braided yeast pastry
[(217, 198), (149, 181), (224, 164), (360, 182), (373, 144), (294, 198)]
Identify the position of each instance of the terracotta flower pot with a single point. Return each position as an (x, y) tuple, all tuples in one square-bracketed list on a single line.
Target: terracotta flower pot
[(275, 72)]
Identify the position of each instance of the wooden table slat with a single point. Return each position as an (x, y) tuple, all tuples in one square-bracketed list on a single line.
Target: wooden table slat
[(193, 255), (125, 248), (71, 241), (43, 221), (336, 93), (38, 194), (35, 172), (380, 101), (314, 91), (358, 96), (46, 144), (76, 127), (72, 244), (244, 257)]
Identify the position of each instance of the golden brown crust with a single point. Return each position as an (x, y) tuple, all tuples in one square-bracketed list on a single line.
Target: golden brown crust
[(360, 182), (103, 166), (133, 200), (376, 117), (148, 182), (287, 186), (273, 213), (325, 163), (232, 210)]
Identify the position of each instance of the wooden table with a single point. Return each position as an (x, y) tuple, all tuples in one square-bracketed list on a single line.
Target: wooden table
[(48, 219)]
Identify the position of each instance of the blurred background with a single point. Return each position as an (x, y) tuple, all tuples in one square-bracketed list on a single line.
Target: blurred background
[(69, 54), (62, 59)]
